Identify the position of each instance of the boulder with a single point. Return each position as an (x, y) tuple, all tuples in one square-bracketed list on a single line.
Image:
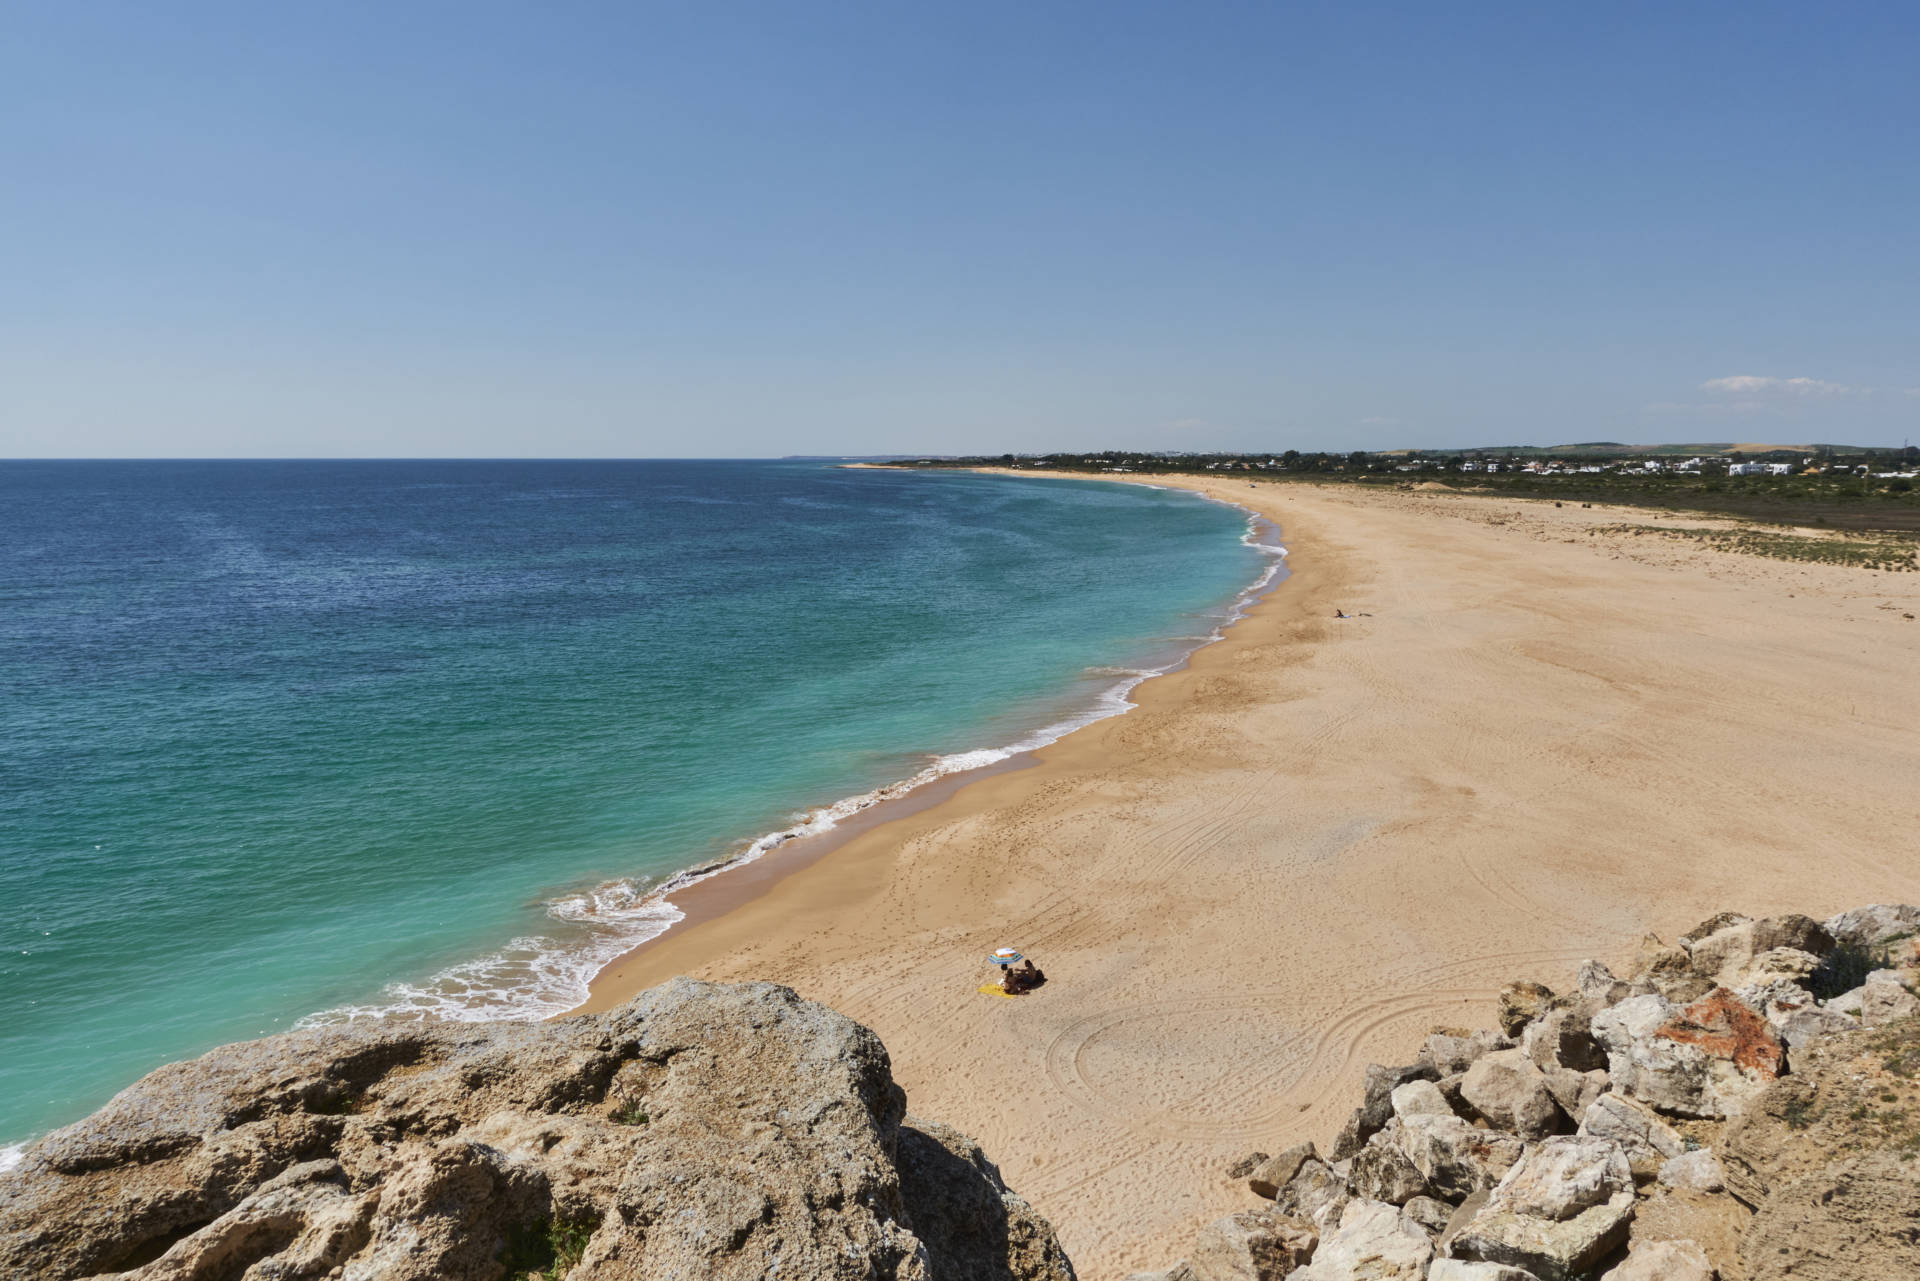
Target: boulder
[(1247, 1164), (1647, 1140), (700, 1130), (1789, 963), (1727, 955), (1706, 1059), (1563, 1038), (1884, 1000), (1560, 1210), (1599, 985), (1420, 1098), (1383, 1172), (1374, 1242), (1468, 1270), (1869, 926), (1376, 1107), (1446, 1053), (1657, 961), (1696, 1171), (1663, 1261), (1576, 1091), (1511, 1093), (1276, 1172), (1520, 1004), (1454, 1158), (1315, 1194), (1429, 1213), (1253, 1245)]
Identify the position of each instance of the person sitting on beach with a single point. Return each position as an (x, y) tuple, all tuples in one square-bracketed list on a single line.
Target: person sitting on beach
[(1011, 983), (1030, 975), (1337, 613)]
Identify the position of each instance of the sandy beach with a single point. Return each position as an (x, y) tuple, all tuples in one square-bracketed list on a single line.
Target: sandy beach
[(1537, 740)]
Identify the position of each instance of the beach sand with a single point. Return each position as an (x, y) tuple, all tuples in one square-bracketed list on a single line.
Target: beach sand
[(1538, 741)]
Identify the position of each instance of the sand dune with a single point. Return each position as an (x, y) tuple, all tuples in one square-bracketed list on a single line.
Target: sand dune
[(1324, 837)]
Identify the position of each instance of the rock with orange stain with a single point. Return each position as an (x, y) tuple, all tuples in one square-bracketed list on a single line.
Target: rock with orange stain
[(1706, 1059)]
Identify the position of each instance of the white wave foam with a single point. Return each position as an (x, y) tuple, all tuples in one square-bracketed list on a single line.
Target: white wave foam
[(535, 977), (12, 1155)]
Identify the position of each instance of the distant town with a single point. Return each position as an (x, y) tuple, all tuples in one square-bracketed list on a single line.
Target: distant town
[(1845, 486)]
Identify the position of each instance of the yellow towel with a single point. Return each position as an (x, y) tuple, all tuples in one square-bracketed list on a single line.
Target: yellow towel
[(994, 989)]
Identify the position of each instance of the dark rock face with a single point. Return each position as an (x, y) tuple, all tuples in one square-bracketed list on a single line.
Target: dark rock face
[(701, 1131)]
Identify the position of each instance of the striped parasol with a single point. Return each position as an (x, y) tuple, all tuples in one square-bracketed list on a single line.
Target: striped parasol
[(1004, 956)]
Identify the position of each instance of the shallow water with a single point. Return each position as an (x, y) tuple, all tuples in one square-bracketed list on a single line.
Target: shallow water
[(305, 740)]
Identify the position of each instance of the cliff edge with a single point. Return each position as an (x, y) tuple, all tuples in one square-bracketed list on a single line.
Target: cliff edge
[(703, 1130)]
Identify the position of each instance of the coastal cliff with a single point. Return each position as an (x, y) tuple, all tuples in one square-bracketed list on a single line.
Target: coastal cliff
[(1744, 1105), (701, 1130)]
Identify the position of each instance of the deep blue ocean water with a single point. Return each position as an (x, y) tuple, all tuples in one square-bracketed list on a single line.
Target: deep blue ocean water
[(296, 740)]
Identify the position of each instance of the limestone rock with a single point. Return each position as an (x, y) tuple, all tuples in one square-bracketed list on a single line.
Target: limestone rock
[(1511, 1093), (1376, 1107), (1884, 1000), (1420, 1098), (1315, 1194), (1467, 1270), (1446, 1053), (1664, 1261), (700, 1130), (1254, 1245), (1276, 1172), (1707, 1059), (1657, 960), (1521, 1003), (1374, 1242), (1382, 1171), (1563, 1038), (1868, 926), (1576, 1091), (1429, 1213), (1696, 1171), (1647, 1140), (1454, 1158), (1559, 1211), (1728, 954), (1788, 963), (1247, 1164), (1599, 985)]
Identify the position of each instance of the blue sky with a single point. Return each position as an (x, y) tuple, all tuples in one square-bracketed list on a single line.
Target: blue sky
[(720, 229)]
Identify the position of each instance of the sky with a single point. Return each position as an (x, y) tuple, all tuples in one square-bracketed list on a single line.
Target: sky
[(736, 229)]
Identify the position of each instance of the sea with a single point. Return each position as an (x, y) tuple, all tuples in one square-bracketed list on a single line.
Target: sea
[(286, 743)]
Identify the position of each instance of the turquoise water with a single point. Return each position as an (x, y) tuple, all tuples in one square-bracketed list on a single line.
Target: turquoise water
[(308, 740)]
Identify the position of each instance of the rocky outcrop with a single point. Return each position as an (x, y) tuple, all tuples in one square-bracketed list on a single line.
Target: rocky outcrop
[(700, 1131), (1744, 1103)]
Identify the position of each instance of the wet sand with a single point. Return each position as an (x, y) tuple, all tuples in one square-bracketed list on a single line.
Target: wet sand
[(1322, 837)]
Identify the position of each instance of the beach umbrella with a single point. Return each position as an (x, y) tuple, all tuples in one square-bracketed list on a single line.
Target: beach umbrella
[(1004, 956)]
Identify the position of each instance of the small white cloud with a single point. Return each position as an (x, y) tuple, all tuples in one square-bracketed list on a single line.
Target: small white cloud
[(1758, 385)]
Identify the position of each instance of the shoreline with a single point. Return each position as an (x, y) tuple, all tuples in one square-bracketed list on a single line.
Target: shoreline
[(716, 890), (1540, 736)]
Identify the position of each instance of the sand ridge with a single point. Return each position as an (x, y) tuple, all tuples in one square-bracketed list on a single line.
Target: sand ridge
[(1323, 837)]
